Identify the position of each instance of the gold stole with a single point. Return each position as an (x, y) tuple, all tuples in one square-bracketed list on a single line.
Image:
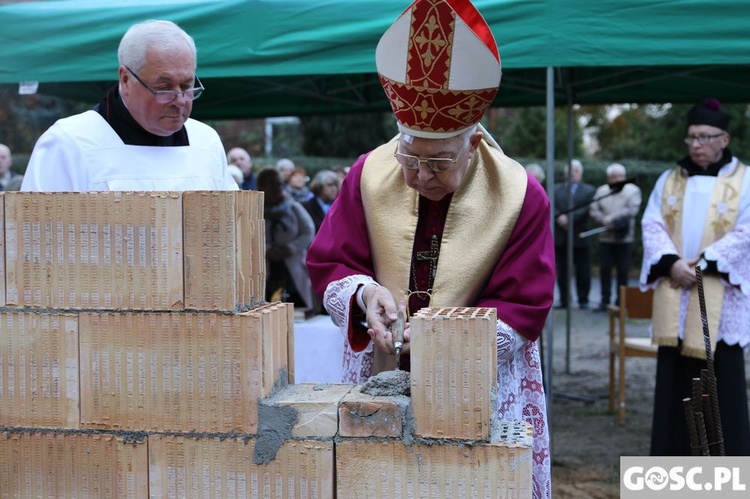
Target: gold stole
[(483, 212), (721, 218)]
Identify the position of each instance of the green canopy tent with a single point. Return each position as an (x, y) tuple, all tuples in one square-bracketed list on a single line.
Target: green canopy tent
[(263, 58), (260, 58)]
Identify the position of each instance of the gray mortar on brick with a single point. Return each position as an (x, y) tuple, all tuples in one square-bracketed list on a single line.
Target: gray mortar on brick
[(388, 383), (397, 384), (282, 381), (494, 417), (275, 424), (407, 419)]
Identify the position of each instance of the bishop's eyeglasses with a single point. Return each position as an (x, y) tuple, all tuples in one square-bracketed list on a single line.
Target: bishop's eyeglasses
[(702, 139), (437, 165), (169, 96)]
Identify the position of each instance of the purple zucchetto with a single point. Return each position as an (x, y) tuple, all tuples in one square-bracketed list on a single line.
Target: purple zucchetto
[(709, 113)]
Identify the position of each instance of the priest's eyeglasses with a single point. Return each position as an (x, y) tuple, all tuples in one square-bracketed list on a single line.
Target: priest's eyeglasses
[(702, 139), (437, 165), (169, 96)]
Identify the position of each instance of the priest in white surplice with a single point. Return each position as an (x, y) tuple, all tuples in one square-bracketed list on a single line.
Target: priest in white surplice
[(700, 209), (140, 136)]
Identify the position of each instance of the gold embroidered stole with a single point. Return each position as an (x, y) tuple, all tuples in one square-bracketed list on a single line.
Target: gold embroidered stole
[(483, 212), (721, 218)]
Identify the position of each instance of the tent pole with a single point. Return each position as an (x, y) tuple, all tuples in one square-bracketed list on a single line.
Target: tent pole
[(569, 263), (548, 335), (571, 235)]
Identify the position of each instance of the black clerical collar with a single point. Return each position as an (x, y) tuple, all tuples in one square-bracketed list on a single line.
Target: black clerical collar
[(114, 112), (711, 171)]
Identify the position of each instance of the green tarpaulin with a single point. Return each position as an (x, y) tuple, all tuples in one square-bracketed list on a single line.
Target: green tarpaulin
[(277, 57)]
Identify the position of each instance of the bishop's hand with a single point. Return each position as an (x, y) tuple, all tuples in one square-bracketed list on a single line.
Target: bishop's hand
[(380, 312)]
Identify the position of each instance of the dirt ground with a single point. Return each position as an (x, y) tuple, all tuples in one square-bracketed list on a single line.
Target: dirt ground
[(587, 442)]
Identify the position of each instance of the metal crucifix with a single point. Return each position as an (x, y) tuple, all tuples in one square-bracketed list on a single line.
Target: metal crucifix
[(432, 256)]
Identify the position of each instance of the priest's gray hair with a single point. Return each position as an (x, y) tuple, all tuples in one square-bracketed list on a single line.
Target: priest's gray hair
[(166, 36)]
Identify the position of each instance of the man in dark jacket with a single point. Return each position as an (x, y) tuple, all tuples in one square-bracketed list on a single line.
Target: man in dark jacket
[(573, 194)]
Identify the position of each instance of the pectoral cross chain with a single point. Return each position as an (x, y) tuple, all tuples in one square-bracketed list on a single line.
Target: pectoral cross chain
[(432, 256), (422, 256)]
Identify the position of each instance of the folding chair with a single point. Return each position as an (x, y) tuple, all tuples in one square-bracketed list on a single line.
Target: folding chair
[(634, 304)]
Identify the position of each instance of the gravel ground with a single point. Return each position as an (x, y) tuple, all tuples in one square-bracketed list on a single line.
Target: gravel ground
[(587, 442)]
